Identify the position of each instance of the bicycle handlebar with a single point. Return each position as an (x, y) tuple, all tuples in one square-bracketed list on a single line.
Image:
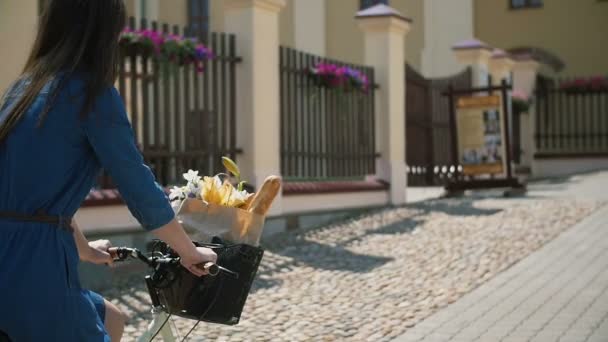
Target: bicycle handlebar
[(123, 253)]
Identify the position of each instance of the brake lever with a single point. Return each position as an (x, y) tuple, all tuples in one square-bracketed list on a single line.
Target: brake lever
[(214, 269), (232, 273)]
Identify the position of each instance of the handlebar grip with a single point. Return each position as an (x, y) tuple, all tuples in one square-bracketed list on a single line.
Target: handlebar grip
[(210, 267), (113, 251), (120, 253)]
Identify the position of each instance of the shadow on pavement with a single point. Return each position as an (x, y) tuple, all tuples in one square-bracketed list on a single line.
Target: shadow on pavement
[(296, 250)]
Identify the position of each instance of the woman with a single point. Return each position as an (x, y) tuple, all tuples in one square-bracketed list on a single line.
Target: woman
[(59, 124)]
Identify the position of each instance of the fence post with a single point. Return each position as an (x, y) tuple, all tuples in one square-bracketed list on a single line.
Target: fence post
[(500, 65), (256, 26), (524, 79), (384, 32), (476, 54)]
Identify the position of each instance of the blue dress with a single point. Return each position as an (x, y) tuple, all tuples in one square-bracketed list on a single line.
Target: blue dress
[(53, 167)]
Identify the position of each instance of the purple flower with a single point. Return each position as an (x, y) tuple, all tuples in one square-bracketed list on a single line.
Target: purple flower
[(333, 76)]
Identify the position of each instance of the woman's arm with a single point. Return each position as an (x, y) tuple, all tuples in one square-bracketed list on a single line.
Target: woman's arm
[(94, 252), (175, 236), (109, 133), (82, 244)]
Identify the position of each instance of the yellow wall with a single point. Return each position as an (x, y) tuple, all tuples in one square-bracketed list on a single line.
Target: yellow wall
[(445, 23), (18, 22), (345, 39), (576, 31), (414, 43), (174, 12), (286, 24)]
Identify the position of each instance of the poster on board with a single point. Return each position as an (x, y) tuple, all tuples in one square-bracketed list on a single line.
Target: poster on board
[(481, 148)]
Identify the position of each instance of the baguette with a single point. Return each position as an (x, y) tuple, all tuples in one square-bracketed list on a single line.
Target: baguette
[(262, 199)]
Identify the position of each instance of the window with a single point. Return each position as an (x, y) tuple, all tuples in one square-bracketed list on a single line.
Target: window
[(518, 4), (369, 3), (198, 18)]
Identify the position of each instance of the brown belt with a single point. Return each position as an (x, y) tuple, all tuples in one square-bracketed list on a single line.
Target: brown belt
[(63, 222)]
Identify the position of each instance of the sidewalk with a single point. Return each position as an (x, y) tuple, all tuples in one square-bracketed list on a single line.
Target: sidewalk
[(558, 293)]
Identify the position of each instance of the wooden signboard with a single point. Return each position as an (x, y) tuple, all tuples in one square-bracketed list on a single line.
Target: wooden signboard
[(481, 145), (480, 135)]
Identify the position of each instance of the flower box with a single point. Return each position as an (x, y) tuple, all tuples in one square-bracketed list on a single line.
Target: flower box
[(591, 85), (332, 76), (167, 48)]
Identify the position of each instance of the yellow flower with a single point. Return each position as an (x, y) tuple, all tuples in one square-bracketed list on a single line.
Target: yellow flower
[(231, 166), (213, 191), (210, 190), (225, 193)]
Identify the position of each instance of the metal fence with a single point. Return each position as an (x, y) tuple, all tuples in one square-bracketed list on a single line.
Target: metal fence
[(325, 133), (182, 119), (571, 122)]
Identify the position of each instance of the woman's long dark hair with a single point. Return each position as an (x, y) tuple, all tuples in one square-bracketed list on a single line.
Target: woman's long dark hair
[(73, 35)]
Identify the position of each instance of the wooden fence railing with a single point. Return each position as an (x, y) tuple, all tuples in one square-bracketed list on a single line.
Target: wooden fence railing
[(571, 122), (325, 133), (182, 118)]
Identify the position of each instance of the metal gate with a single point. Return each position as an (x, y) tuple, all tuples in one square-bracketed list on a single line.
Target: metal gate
[(428, 135)]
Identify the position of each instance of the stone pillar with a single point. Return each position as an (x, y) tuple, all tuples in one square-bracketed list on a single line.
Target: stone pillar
[(500, 66), (384, 34), (525, 70), (256, 26), (476, 54)]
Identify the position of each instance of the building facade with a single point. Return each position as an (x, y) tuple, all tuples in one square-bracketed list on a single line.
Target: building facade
[(569, 36), (573, 34), (328, 28)]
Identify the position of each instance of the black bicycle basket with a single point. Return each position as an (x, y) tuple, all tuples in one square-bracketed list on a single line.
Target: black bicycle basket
[(215, 299)]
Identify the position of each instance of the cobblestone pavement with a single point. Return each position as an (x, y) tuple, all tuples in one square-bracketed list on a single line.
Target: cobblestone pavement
[(559, 293), (373, 277)]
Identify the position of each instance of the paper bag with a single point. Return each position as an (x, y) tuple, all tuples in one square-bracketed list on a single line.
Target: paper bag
[(203, 221)]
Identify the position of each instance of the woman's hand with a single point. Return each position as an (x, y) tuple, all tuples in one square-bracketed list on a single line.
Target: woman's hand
[(97, 253), (199, 256), (191, 256)]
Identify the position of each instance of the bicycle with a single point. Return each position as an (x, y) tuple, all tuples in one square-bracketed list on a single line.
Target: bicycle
[(160, 317)]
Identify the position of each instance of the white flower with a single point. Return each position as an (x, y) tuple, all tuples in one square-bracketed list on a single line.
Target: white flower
[(177, 193), (240, 195), (217, 181), (193, 189), (192, 176), (175, 205)]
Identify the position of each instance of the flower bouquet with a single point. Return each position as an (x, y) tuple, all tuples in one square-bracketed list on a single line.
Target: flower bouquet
[(212, 206)]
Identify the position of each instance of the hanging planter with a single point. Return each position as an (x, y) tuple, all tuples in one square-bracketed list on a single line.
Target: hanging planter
[(520, 102), (331, 76), (173, 49)]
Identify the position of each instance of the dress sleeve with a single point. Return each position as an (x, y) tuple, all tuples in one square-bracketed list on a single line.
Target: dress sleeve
[(108, 131)]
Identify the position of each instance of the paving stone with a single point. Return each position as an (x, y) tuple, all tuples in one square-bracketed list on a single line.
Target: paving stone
[(373, 278)]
